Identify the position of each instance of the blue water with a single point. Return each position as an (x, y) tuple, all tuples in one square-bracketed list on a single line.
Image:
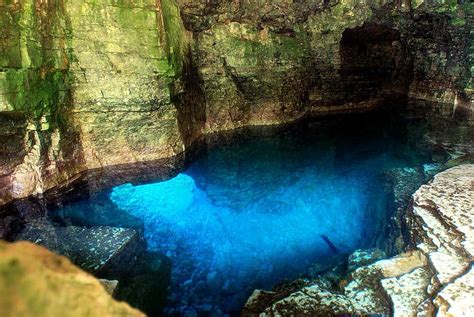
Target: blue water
[(260, 207)]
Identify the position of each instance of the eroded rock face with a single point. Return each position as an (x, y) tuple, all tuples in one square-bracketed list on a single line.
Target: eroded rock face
[(440, 225), (85, 85), (263, 63), (435, 277), (95, 84), (36, 282)]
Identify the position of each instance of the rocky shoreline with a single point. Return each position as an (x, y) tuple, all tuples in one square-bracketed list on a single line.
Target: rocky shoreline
[(104, 250), (92, 91), (434, 277)]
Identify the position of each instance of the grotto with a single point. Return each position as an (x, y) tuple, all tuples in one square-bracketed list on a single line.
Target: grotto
[(236, 158)]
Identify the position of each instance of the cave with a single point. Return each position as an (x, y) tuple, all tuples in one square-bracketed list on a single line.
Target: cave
[(374, 66), (236, 158), (374, 63)]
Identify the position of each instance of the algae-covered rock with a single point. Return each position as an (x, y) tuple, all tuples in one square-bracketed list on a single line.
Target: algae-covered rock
[(36, 282), (86, 85)]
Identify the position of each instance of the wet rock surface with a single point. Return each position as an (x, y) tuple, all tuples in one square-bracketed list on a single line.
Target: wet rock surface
[(99, 250), (435, 277), (37, 282)]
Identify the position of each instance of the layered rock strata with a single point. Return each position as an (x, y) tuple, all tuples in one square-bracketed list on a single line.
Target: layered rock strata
[(85, 85), (98, 83), (435, 278)]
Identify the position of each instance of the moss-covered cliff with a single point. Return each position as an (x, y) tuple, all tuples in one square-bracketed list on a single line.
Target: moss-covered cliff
[(86, 84)]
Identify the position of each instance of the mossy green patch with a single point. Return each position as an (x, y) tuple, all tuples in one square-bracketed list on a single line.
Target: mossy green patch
[(35, 77), (244, 46), (459, 22), (173, 35)]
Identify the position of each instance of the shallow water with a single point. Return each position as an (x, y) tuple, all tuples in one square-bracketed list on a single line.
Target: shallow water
[(262, 205)]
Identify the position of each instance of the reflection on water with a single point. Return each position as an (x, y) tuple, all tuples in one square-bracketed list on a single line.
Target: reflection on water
[(256, 207)]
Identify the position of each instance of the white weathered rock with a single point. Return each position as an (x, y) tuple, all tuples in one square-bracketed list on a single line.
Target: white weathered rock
[(314, 300), (436, 278), (441, 224), (408, 291), (456, 299), (367, 291)]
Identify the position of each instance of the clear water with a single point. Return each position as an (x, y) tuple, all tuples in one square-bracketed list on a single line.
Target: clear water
[(265, 205)]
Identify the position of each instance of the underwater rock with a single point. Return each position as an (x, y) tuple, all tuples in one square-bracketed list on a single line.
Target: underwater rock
[(37, 282), (109, 285), (364, 257), (99, 250), (436, 276), (402, 183), (145, 286)]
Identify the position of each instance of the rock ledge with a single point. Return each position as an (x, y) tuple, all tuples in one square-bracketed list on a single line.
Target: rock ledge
[(435, 278)]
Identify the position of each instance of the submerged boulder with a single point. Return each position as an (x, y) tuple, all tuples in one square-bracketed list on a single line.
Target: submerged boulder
[(436, 276), (146, 284), (36, 282), (103, 251)]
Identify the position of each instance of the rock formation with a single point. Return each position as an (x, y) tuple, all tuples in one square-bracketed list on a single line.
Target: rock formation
[(93, 84), (435, 277), (98, 250), (36, 282)]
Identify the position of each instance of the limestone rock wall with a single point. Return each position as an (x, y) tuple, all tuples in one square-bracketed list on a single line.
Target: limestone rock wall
[(34, 93), (121, 78), (88, 84), (85, 84), (267, 62)]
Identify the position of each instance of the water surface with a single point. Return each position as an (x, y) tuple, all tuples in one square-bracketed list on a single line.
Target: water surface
[(262, 205)]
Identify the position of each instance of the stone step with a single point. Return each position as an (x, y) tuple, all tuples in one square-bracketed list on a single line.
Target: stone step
[(102, 251)]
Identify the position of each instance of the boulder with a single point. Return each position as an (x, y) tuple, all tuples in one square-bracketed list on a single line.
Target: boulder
[(103, 251), (37, 282)]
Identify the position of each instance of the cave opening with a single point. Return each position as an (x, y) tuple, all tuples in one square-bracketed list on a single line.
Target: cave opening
[(374, 67)]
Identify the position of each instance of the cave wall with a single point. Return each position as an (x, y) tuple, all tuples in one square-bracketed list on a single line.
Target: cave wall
[(85, 85), (88, 84), (35, 93), (265, 62)]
